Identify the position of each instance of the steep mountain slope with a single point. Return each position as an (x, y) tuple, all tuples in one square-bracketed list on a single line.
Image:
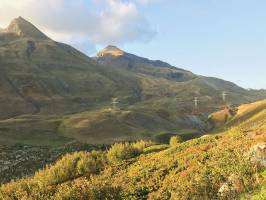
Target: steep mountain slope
[(229, 165), (51, 93), (42, 80), (39, 75)]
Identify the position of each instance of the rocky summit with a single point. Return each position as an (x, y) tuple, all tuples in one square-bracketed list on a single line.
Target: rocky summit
[(110, 51), (23, 28)]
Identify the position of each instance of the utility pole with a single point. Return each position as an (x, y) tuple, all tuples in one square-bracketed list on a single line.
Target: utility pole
[(114, 103)]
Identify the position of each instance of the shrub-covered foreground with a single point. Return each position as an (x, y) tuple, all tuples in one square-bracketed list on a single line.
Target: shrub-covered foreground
[(210, 167)]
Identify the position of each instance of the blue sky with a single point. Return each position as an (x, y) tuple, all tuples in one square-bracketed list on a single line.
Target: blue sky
[(220, 38), (225, 39)]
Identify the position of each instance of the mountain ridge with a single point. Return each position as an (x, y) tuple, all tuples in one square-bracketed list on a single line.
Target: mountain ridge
[(53, 85), (114, 51)]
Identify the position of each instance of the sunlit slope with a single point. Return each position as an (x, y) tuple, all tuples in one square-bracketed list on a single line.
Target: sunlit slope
[(218, 166), (229, 118)]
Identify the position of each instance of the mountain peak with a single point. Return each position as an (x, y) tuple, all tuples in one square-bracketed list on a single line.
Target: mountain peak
[(22, 27), (110, 50)]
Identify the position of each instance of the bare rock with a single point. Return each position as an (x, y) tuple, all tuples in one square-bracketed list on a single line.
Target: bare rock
[(226, 192), (257, 154)]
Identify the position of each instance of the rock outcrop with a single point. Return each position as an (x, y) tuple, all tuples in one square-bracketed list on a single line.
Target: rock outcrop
[(258, 154)]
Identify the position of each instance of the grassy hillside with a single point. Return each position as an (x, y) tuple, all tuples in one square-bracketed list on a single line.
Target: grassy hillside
[(227, 118), (105, 126), (33, 130), (228, 165)]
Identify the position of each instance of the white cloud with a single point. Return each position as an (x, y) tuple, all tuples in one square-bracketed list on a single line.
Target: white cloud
[(89, 21), (121, 21)]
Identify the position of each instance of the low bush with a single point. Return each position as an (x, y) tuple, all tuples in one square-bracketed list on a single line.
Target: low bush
[(141, 145), (122, 151), (83, 189), (71, 166), (175, 140)]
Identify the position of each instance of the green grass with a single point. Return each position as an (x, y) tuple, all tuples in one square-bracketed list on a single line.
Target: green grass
[(32, 130)]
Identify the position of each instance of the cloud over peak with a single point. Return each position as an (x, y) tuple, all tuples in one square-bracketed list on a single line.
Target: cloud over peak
[(83, 22)]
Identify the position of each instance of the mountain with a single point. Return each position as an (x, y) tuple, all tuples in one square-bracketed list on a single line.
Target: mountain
[(227, 165), (181, 83), (113, 56), (21, 27), (50, 93)]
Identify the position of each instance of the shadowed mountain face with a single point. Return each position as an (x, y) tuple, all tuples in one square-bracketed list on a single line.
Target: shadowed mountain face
[(51, 89)]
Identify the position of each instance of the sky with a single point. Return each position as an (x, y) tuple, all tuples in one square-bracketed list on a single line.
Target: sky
[(219, 38)]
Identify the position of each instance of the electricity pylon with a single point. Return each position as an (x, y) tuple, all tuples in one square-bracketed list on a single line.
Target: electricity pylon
[(196, 100), (224, 95), (114, 103)]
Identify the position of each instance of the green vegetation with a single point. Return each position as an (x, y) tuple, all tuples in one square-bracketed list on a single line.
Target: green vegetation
[(120, 152), (123, 151), (258, 194), (71, 166), (211, 167)]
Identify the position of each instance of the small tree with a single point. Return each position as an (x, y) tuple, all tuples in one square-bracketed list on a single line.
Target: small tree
[(175, 140)]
